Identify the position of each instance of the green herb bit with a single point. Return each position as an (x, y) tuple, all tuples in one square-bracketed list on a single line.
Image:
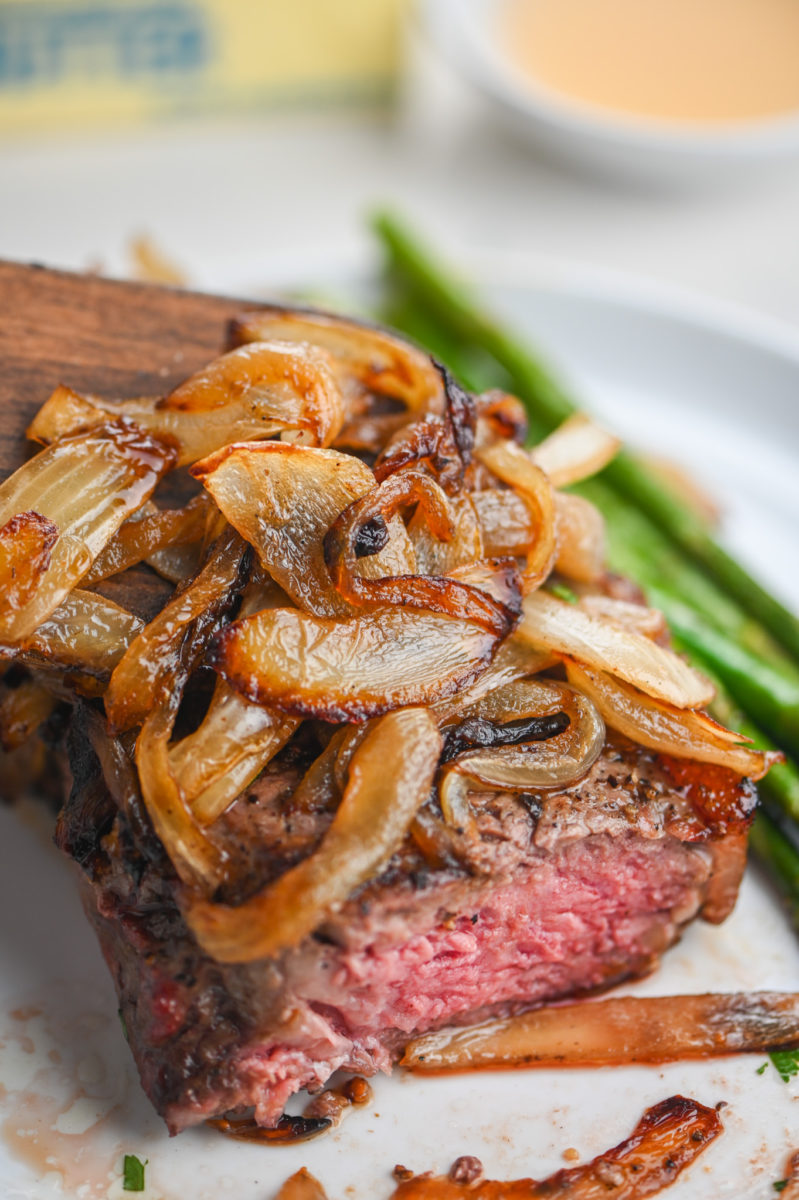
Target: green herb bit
[(562, 592), (761, 1069), (786, 1062), (780, 1185), (133, 1173)]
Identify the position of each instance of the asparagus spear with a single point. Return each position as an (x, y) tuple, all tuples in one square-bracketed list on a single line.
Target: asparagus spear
[(461, 316)]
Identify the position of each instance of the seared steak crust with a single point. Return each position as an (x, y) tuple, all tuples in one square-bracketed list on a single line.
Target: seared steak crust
[(560, 893)]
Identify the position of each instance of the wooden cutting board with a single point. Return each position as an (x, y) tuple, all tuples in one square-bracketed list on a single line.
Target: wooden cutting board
[(97, 335)]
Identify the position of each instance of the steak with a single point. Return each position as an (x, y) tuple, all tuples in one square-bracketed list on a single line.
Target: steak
[(559, 893)]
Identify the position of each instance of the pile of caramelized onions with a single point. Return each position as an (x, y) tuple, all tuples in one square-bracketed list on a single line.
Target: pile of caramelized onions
[(371, 562)]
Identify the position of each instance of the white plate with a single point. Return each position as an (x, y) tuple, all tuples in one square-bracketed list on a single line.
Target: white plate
[(718, 392)]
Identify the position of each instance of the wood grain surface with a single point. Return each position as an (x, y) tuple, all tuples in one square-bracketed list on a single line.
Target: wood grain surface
[(96, 335)]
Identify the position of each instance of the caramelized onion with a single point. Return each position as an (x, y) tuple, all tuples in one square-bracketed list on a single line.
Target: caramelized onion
[(666, 1140), (351, 670), (302, 1186), (444, 594), (436, 556), (649, 622), (195, 856), (615, 1032), (86, 631), (256, 391), (581, 539), (139, 539), (155, 657), (283, 500), (232, 745), (26, 546), (362, 354), (506, 522), (670, 730), (578, 448), (539, 760), (389, 779), (551, 624), (85, 486), (514, 466)]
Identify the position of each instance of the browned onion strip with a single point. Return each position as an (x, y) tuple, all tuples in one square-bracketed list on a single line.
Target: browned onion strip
[(625, 1029), (283, 499), (197, 859), (64, 413), (428, 447), (444, 594), (578, 448), (256, 391), (506, 522), (437, 557), (581, 539), (666, 1140), (351, 670), (377, 360), (558, 761), (86, 631), (85, 486), (136, 540), (514, 466), (670, 730), (288, 1131), (649, 622), (22, 711), (513, 660), (551, 624), (153, 660), (232, 745), (389, 779), (26, 546)]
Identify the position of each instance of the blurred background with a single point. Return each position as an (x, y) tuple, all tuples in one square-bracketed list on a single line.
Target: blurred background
[(242, 144)]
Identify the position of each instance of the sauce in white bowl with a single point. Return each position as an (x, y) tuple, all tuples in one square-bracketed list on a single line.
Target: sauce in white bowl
[(595, 101)]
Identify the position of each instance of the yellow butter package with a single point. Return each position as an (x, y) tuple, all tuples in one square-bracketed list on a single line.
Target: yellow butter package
[(89, 62)]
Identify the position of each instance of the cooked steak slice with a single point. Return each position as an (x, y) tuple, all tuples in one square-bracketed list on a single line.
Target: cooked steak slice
[(560, 893)]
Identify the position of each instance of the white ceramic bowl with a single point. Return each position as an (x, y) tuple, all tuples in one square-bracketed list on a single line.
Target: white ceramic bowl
[(464, 33)]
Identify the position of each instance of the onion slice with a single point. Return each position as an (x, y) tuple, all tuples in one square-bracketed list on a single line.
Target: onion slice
[(283, 499), (26, 548), (142, 536), (199, 862), (256, 391), (615, 1032), (550, 761), (581, 539), (351, 670), (514, 466), (444, 594), (551, 624), (231, 746), (666, 1140), (154, 660), (86, 632), (389, 779), (373, 358), (577, 448), (669, 730), (85, 486), (649, 622)]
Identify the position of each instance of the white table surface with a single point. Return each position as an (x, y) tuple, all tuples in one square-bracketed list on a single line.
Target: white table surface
[(250, 202)]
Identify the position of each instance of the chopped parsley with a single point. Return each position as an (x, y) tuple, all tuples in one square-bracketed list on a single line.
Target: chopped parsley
[(786, 1062), (563, 592), (133, 1173), (780, 1185), (763, 1067)]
